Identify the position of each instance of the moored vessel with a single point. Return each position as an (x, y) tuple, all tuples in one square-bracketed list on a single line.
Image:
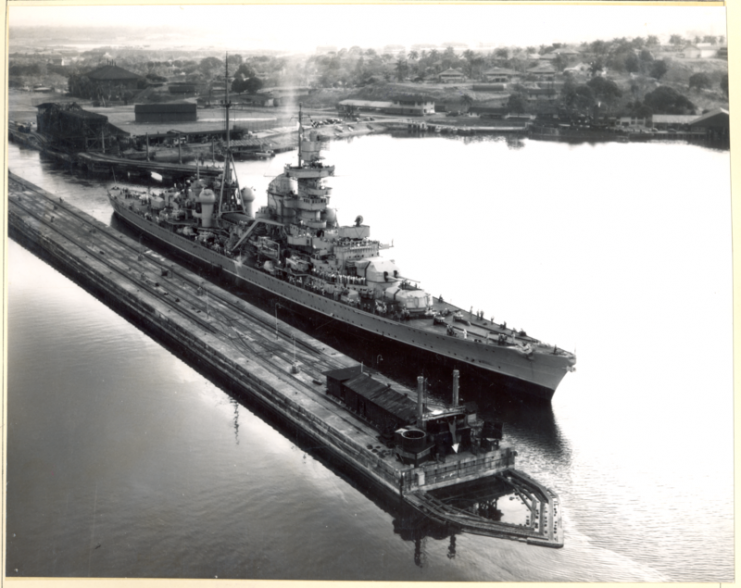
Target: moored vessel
[(295, 248)]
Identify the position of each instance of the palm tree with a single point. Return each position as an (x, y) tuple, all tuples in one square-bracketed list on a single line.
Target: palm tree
[(402, 68)]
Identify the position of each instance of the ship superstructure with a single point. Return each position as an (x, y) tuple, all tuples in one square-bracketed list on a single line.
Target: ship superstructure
[(302, 238)]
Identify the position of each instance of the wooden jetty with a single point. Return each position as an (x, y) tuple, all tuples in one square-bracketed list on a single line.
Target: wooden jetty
[(276, 365)]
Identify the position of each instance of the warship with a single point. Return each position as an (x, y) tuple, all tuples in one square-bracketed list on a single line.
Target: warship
[(295, 249)]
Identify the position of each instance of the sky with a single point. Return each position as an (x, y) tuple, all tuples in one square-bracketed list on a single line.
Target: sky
[(306, 26)]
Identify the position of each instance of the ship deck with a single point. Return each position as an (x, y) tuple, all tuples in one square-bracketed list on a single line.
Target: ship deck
[(514, 359), (476, 327)]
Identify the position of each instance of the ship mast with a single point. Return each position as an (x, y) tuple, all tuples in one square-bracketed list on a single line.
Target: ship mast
[(227, 154), (300, 132), (227, 105)]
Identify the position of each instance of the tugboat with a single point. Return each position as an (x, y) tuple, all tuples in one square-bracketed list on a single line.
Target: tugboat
[(296, 249)]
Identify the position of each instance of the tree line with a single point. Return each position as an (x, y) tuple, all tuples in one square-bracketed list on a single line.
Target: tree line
[(357, 67)]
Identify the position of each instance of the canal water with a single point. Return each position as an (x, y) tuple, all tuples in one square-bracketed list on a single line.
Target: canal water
[(122, 461)]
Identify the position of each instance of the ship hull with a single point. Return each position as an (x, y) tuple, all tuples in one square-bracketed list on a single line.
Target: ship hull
[(506, 369)]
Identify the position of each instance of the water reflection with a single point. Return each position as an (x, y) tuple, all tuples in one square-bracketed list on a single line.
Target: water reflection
[(534, 423), (234, 402), (416, 528), (514, 142), (492, 498)]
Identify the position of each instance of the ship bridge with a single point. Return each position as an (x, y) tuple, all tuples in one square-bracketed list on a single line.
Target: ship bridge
[(314, 189), (350, 253), (310, 171), (304, 203)]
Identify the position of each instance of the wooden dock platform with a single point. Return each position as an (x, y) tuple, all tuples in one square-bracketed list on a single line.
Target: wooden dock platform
[(273, 363)]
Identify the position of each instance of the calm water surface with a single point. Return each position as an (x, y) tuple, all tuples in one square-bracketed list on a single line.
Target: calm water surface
[(124, 461)]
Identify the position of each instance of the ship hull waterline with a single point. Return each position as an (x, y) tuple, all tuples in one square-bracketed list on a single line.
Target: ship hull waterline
[(508, 370)]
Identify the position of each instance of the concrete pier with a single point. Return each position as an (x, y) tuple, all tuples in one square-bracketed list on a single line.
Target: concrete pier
[(275, 364)]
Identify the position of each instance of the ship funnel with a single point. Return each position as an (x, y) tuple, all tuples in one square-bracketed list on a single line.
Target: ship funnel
[(248, 198), (206, 199)]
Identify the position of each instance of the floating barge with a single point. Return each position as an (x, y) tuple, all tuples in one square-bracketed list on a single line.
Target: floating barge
[(401, 443)]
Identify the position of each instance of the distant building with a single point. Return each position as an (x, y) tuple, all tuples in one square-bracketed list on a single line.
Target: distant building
[(352, 106), (182, 88), (567, 53), (537, 94), (635, 121), (496, 109), (709, 50), (165, 113), (111, 77), (716, 124), (411, 105), (451, 75), (258, 100), (543, 72), (674, 122), (500, 75), (690, 52)]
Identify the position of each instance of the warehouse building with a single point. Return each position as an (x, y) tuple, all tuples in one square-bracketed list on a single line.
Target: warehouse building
[(165, 113), (111, 78), (70, 127)]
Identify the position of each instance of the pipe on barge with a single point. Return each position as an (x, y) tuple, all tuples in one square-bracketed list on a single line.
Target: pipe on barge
[(251, 351)]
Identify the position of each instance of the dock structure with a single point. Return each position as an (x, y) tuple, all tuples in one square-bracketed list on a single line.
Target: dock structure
[(98, 162), (22, 134), (25, 136), (278, 366)]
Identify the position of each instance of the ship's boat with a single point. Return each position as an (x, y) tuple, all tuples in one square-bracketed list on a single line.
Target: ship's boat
[(295, 248)]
